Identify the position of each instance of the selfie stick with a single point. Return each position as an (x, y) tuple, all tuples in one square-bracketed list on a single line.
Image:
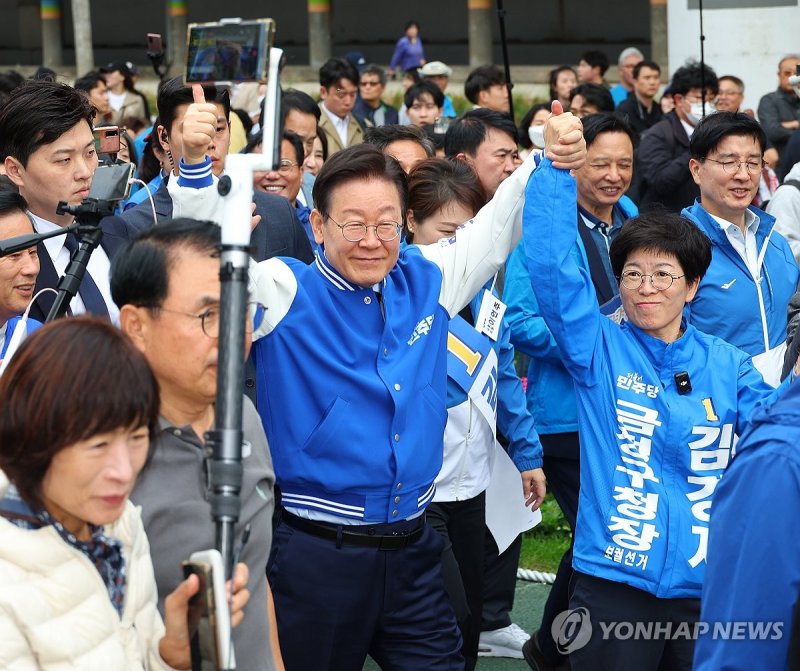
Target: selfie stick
[(88, 215), (225, 440)]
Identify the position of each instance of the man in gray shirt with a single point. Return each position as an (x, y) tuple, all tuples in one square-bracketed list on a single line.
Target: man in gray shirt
[(166, 284)]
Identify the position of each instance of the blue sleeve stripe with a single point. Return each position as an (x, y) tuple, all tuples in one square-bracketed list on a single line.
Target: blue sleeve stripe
[(195, 176)]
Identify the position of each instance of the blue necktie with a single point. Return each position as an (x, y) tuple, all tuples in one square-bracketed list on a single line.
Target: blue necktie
[(89, 293)]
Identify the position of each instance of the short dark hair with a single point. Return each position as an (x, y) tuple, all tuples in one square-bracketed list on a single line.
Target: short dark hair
[(596, 59), (663, 232), (692, 76), (11, 201), (468, 132), (414, 74), (335, 69), (383, 136), (416, 91), (140, 270), (732, 78), (436, 182), (373, 69), (524, 138), (716, 127), (595, 95), (645, 64), (297, 144), (554, 78), (173, 93), (595, 124), (38, 418), (300, 101), (359, 162), (482, 78), (89, 81), (38, 113)]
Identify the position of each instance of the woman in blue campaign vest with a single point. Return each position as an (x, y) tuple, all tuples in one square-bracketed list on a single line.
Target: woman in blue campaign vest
[(482, 390), (659, 406)]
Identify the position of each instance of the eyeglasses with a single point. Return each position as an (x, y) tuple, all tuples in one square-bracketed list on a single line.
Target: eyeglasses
[(660, 280), (368, 82), (285, 166), (732, 167), (209, 319), (356, 231), (342, 93)]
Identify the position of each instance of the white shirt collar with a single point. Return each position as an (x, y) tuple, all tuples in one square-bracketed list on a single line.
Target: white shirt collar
[(751, 223), (52, 245)]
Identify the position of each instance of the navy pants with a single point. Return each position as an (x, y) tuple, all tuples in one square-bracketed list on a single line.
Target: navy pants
[(336, 605)]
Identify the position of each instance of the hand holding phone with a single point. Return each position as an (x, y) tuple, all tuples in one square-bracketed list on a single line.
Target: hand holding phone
[(174, 647)]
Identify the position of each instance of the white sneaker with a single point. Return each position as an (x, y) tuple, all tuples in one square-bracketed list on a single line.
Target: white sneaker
[(505, 642)]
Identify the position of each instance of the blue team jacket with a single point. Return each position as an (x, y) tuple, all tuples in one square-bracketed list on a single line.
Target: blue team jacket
[(31, 325), (551, 394), (650, 458), (753, 571), (726, 304)]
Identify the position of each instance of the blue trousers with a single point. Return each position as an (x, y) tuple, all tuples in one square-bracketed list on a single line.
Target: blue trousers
[(336, 605)]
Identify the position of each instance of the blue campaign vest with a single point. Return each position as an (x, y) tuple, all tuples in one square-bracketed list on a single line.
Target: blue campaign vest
[(354, 404)]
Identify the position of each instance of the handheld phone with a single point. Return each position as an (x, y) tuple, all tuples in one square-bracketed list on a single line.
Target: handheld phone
[(230, 50), (209, 617), (154, 44), (112, 182), (106, 139)]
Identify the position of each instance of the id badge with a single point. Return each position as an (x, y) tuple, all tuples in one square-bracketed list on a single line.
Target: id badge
[(490, 315)]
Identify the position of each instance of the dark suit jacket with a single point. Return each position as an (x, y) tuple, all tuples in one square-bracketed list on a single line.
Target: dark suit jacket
[(115, 234), (279, 233)]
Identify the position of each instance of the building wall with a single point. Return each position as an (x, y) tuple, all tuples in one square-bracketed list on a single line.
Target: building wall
[(541, 32), (745, 38)]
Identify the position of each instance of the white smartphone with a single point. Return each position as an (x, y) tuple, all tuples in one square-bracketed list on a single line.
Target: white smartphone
[(209, 615)]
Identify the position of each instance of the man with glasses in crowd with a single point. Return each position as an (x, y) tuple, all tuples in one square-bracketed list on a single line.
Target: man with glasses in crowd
[(354, 408), (338, 88), (369, 105), (743, 296)]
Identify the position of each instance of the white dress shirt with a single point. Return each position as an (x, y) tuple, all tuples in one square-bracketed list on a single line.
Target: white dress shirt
[(339, 124), (743, 242), (99, 267)]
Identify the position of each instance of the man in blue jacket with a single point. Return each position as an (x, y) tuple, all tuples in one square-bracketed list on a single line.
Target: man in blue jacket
[(602, 209), (753, 575), (351, 359), (753, 274)]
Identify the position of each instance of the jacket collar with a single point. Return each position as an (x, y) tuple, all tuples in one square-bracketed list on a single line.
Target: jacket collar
[(663, 354), (714, 231), (329, 273)]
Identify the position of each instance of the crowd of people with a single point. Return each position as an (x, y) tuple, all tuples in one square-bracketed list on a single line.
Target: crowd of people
[(635, 247)]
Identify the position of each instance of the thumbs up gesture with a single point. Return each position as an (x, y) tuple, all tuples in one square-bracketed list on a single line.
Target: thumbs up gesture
[(563, 139), (198, 128)]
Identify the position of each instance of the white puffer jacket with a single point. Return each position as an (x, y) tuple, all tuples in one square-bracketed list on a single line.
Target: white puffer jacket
[(55, 613)]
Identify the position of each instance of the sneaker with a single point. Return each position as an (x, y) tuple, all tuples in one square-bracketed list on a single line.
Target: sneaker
[(505, 642)]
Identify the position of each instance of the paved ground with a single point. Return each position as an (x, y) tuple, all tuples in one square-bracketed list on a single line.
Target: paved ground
[(528, 606)]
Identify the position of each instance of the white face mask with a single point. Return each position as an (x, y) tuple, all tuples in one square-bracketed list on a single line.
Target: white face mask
[(696, 114), (536, 134)]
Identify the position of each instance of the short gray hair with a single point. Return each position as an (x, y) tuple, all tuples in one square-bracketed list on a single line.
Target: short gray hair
[(627, 53)]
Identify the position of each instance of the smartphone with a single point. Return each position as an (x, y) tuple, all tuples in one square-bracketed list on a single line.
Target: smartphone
[(229, 50), (112, 182), (106, 139), (209, 617), (154, 44)]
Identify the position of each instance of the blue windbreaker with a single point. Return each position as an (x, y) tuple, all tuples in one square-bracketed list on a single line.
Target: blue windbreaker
[(727, 302), (650, 457), (551, 394), (753, 571)]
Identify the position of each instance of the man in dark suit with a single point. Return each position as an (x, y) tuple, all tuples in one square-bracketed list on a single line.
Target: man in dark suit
[(48, 152), (279, 233)]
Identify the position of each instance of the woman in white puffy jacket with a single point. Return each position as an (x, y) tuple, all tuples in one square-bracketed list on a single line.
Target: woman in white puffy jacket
[(78, 405)]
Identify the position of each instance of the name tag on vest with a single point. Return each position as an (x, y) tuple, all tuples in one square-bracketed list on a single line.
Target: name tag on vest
[(491, 315)]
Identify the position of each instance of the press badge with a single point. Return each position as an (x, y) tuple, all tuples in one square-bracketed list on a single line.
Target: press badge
[(491, 315)]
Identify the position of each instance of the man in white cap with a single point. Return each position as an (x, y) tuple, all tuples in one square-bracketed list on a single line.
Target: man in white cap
[(439, 73)]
